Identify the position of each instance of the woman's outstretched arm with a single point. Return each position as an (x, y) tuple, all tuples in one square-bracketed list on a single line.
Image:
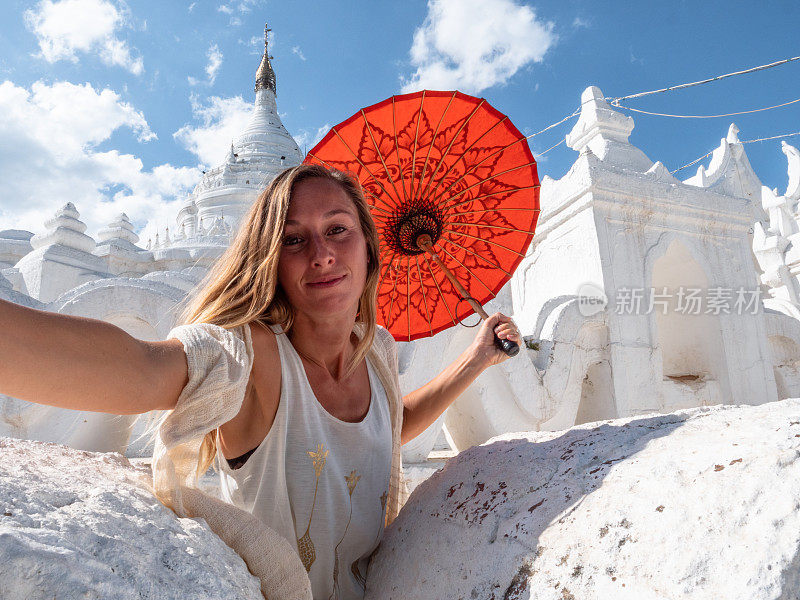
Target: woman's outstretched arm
[(85, 364), (423, 406)]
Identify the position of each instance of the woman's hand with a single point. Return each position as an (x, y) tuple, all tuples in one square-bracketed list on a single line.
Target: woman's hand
[(483, 349)]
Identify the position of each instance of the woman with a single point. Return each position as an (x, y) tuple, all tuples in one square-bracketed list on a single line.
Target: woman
[(281, 369)]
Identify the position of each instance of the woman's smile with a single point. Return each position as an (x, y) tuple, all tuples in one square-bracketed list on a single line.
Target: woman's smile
[(323, 262), (327, 282)]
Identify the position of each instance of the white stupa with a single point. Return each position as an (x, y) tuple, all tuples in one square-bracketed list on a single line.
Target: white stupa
[(259, 153)]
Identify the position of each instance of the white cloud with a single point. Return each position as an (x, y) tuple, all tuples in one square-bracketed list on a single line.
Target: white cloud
[(215, 57), (581, 23), (221, 120), (238, 8), (49, 156), (308, 139), (296, 50), (472, 45), (191, 6), (241, 6), (65, 28), (214, 63)]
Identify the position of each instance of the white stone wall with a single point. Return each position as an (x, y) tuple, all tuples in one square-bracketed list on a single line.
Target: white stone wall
[(616, 221)]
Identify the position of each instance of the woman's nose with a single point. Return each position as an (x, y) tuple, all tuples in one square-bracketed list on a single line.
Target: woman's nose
[(321, 252)]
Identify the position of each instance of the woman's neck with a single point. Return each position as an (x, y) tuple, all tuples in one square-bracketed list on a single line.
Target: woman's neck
[(328, 344)]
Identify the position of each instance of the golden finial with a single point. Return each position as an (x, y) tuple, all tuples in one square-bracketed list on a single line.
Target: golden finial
[(265, 76)]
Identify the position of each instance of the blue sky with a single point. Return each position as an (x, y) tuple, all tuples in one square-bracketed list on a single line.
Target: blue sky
[(118, 106)]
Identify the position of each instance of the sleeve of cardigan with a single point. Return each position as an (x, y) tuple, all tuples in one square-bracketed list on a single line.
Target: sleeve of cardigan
[(388, 347), (219, 362)]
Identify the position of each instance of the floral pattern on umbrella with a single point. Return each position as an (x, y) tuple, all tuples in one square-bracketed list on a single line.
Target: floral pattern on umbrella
[(450, 166)]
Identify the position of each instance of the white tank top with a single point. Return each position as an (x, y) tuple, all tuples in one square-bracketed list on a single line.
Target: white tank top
[(336, 475)]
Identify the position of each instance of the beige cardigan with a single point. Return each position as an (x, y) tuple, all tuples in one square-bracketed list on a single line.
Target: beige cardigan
[(220, 362)]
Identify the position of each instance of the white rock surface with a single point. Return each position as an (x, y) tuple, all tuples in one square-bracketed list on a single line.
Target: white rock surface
[(84, 525), (703, 503)]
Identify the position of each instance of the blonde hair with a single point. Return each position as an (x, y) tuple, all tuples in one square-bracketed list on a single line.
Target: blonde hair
[(242, 287)]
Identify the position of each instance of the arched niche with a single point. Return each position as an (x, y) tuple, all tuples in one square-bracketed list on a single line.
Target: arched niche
[(597, 395), (689, 340)]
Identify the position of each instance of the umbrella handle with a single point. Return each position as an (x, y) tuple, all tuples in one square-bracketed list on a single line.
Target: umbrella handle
[(424, 243), (507, 346)]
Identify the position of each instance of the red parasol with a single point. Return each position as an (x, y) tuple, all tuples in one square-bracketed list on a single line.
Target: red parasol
[(451, 183)]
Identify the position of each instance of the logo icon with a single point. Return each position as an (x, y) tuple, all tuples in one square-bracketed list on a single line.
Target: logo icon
[(591, 299)]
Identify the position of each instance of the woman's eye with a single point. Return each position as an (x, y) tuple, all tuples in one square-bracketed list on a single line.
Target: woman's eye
[(291, 240), (337, 229)]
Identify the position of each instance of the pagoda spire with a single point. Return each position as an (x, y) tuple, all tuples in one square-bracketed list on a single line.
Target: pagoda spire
[(265, 76)]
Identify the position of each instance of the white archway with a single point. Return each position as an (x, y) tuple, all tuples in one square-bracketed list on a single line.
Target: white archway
[(688, 340)]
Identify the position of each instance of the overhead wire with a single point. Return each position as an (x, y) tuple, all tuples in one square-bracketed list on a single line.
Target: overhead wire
[(764, 139), (616, 101), (732, 114)]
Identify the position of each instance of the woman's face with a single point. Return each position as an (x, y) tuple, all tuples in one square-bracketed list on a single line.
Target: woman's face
[(323, 263)]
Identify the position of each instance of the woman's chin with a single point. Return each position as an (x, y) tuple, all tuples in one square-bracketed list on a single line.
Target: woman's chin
[(329, 309)]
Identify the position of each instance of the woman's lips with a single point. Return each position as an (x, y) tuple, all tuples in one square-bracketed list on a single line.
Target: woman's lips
[(326, 284)]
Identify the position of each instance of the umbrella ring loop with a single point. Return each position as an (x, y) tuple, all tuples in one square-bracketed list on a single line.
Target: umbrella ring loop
[(460, 322)]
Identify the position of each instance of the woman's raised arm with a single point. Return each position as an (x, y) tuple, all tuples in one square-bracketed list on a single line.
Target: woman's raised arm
[(423, 406), (85, 364)]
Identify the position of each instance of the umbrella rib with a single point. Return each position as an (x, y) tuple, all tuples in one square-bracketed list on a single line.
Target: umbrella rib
[(365, 167), (424, 299), (477, 164), (441, 293), (388, 263), (430, 146), (476, 255), (397, 151), (452, 141), (416, 137), (478, 279), (378, 152), (393, 293), (505, 209), (378, 208), (508, 191), (494, 176), (483, 240), (464, 153), (480, 225), (330, 166)]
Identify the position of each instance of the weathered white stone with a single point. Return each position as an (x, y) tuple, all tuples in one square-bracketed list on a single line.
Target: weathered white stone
[(77, 525), (14, 244), (700, 504)]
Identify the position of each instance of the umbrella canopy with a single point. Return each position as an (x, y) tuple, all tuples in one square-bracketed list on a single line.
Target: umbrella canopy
[(448, 177)]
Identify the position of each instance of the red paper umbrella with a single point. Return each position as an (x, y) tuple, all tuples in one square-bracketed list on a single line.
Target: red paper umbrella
[(455, 196)]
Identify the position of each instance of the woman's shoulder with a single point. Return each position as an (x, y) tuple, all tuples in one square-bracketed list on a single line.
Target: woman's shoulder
[(383, 337), (207, 343), (265, 347), (385, 346), (202, 334)]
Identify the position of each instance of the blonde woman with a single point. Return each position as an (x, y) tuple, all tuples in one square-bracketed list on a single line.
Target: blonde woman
[(280, 373)]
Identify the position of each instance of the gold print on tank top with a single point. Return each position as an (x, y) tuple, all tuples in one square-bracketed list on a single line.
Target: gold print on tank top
[(304, 544), (361, 579), (352, 481)]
